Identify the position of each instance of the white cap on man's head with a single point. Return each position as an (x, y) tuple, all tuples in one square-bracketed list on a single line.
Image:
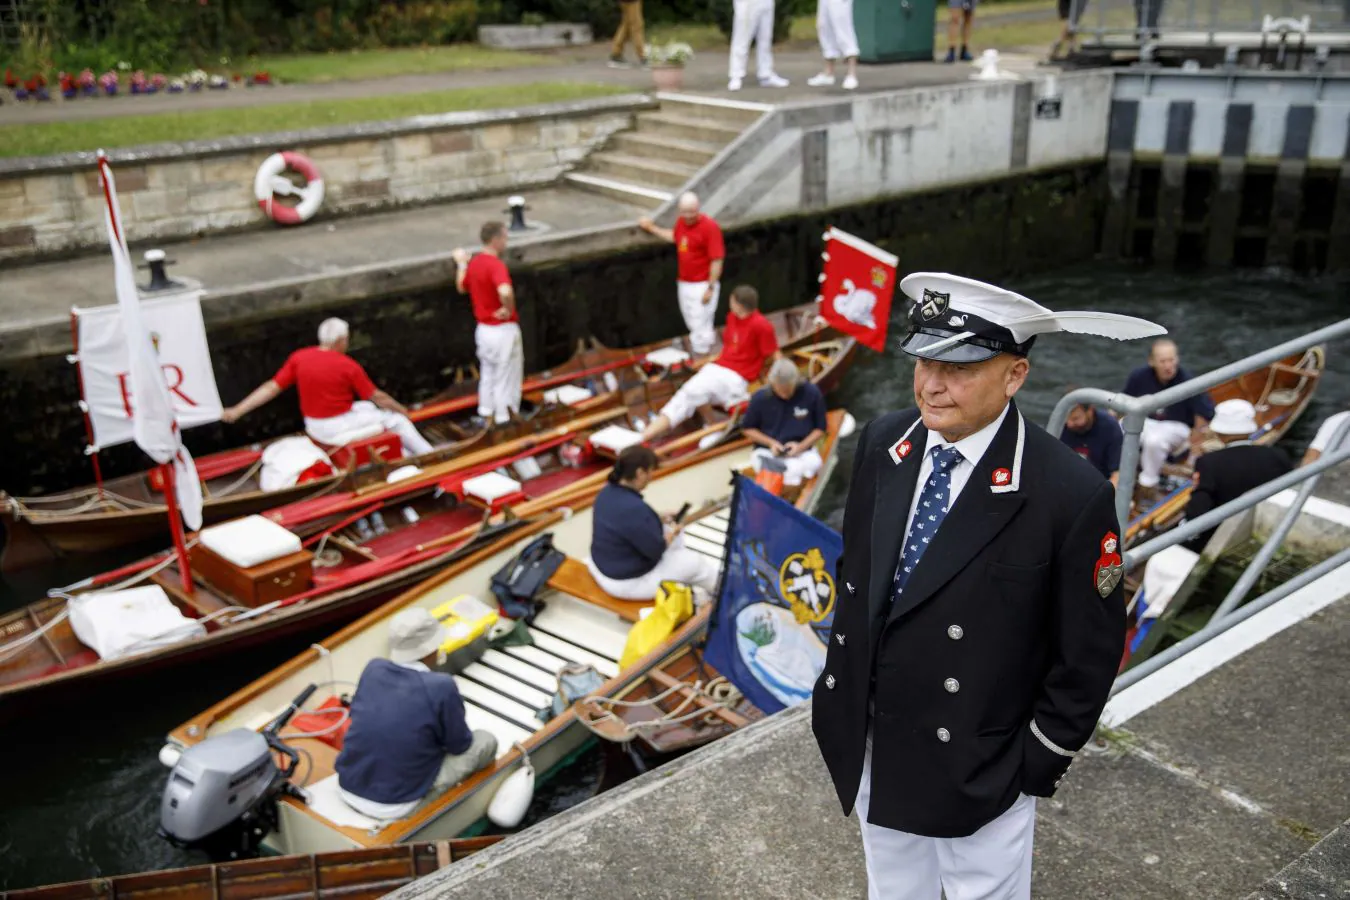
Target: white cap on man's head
[(414, 634), (961, 320), (1234, 417)]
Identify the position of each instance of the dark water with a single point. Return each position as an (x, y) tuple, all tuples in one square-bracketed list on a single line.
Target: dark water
[(81, 784)]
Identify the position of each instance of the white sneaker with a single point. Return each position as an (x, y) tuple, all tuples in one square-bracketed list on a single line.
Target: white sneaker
[(773, 81), (850, 83), (734, 84), (821, 80)]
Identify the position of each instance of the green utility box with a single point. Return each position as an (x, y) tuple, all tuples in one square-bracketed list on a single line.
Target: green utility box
[(894, 30)]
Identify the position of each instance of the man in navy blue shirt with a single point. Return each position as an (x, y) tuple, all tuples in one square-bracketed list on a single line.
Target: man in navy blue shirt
[(1170, 429), (786, 419), (408, 737), (633, 548), (1095, 435)]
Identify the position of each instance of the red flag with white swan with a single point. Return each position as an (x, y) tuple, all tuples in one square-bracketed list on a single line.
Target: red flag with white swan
[(856, 285), (154, 424)]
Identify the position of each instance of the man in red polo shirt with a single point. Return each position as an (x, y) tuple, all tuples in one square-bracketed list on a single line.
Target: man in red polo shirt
[(337, 397), (501, 352), (700, 252), (748, 342)]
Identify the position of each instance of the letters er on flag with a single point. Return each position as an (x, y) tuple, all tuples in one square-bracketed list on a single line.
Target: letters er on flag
[(776, 605), (153, 422), (857, 282)]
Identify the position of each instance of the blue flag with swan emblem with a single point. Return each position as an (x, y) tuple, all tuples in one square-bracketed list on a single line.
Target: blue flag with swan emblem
[(773, 616)]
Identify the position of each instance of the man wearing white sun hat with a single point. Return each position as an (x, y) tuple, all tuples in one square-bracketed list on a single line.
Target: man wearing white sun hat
[(981, 618), (1225, 474)]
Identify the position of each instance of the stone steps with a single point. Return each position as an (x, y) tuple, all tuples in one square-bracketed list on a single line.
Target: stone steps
[(648, 165)]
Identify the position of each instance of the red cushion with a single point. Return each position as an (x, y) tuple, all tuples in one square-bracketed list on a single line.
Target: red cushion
[(383, 446)]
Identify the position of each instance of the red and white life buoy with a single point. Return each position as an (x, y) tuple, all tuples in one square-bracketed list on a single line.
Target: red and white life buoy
[(270, 183)]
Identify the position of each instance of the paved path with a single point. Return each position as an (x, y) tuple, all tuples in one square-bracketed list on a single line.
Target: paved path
[(796, 60)]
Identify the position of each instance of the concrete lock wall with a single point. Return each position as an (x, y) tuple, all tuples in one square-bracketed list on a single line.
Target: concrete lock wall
[(54, 205), (812, 156)]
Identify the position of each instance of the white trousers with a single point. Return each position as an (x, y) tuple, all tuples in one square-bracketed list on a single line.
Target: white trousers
[(698, 316), (994, 863), (678, 563), (361, 417), (799, 468), (501, 369), (713, 384), (834, 28), (1157, 442), (752, 20)]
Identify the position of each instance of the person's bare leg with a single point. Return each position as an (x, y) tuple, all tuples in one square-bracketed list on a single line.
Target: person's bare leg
[(852, 67), (967, 20), (706, 413), (953, 30)]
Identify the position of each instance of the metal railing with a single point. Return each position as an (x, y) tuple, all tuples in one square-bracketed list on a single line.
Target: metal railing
[(1136, 411), (1145, 19)]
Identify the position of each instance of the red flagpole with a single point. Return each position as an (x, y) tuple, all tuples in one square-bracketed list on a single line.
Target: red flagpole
[(176, 527), (170, 488)]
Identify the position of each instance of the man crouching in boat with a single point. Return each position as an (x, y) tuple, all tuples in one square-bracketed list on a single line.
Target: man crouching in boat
[(786, 419), (633, 549), (327, 380), (748, 341), (408, 738)]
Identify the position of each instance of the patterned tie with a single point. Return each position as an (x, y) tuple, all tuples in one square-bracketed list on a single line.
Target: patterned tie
[(928, 515)]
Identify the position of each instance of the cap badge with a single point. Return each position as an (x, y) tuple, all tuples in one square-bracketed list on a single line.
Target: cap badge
[(1001, 477), (933, 305)]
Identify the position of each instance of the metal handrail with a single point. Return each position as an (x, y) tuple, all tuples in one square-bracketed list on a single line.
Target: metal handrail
[(1135, 411)]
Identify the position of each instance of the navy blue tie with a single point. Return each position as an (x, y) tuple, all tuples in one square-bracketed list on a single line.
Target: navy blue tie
[(928, 515)]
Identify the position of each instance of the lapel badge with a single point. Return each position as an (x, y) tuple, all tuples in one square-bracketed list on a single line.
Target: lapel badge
[(1001, 477), (1110, 567), (903, 450)]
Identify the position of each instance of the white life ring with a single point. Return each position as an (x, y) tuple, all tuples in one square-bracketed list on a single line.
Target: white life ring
[(270, 183)]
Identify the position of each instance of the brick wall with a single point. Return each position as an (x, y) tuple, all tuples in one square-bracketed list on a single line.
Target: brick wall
[(53, 206)]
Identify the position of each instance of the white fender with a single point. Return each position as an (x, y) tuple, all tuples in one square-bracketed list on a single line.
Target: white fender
[(512, 800), (848, 426), (169, 755)]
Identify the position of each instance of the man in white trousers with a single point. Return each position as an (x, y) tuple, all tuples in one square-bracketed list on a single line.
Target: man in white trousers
[(497, 338), (700, 254), (752, 20), (1171, 429), (337, 397), (838, 40)]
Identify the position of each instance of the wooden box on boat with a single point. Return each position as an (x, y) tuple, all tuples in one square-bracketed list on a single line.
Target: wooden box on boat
[(276, 579)]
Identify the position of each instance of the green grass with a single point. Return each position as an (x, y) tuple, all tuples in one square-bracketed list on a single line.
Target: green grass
[(700, 37), (127, 131), (354, 65)]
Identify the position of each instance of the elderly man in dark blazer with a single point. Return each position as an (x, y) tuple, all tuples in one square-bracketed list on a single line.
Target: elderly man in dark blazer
[(982, 619)]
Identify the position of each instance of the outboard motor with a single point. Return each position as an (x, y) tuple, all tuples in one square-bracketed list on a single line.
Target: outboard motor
[(222, 793)]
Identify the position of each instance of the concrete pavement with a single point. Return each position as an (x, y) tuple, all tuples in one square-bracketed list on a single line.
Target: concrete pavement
[(1206, 795)]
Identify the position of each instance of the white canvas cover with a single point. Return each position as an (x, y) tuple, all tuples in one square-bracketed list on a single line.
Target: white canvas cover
[(667, 356), (615, 438), (120, 623), (284, 460), (250, 541), (567, 395), (490, 486)]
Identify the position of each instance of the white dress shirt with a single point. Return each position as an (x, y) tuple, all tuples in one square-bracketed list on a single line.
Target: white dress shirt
[(972, 448)]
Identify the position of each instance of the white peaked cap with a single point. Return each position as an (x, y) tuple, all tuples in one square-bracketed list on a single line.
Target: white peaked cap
[(959, 319)]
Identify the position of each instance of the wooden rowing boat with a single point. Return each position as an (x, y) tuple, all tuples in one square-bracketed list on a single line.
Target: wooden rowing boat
[(506, 688), (347, 874), (1280, 392), (425, 523), (130, 509)]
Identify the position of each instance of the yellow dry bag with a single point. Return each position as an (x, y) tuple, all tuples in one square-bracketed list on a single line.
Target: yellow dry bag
[(674, 605)]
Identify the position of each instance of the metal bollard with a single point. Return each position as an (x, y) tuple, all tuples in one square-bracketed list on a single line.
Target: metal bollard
[(159, 279), (516, 207)]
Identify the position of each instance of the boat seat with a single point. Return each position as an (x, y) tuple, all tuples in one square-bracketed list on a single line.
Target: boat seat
[(572, 577), (613, 440), (492, 491), (380, 447)]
